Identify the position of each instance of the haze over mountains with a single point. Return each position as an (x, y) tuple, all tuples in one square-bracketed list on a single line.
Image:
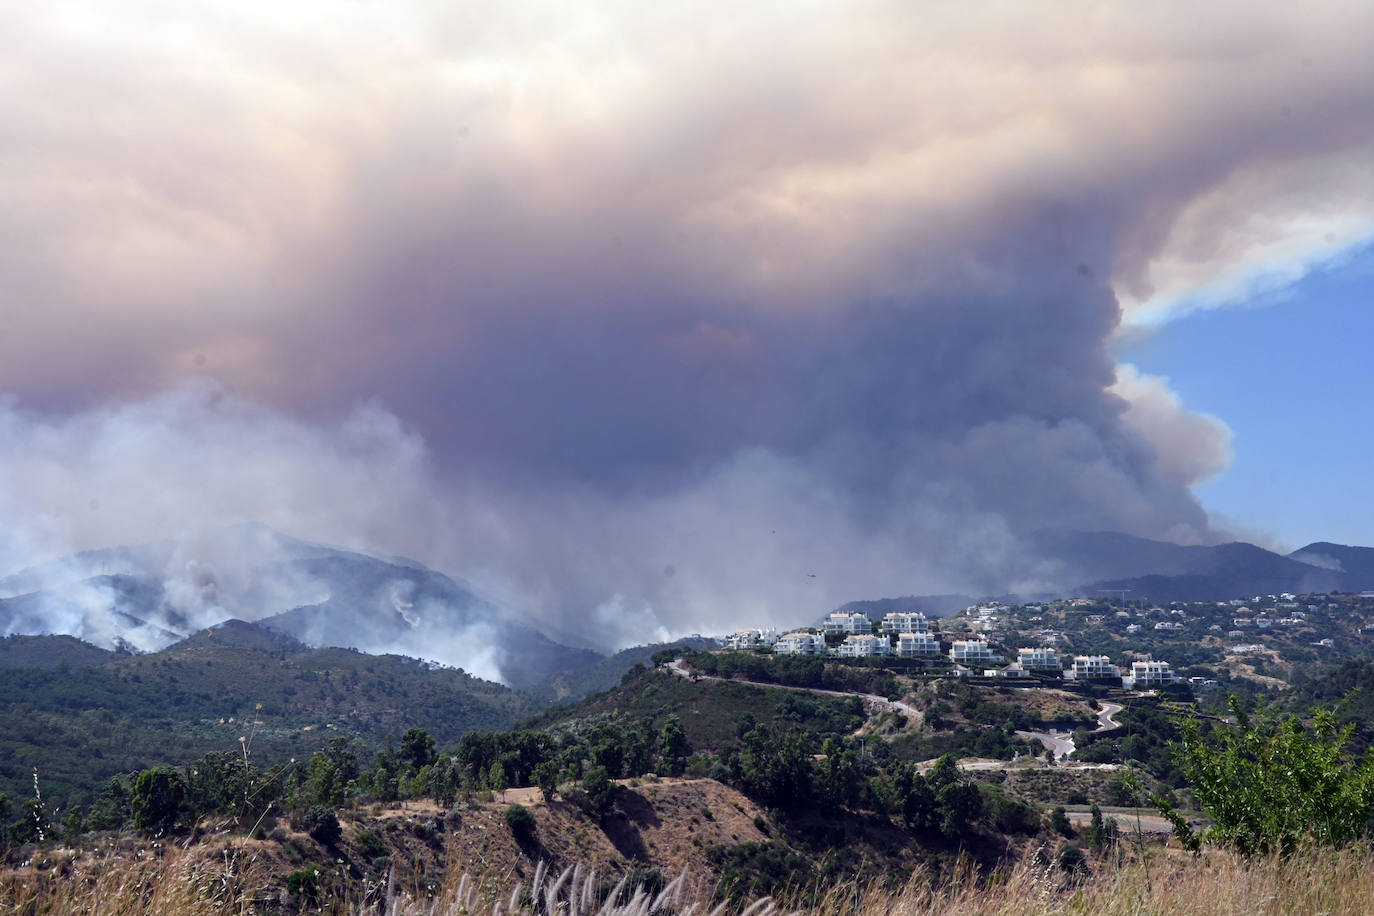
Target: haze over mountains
[(1144, 569), (1161, 571), (147, 597)]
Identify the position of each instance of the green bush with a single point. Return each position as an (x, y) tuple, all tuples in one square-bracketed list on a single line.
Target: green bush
[(322, 824), (369, 845), (521, 822), (304, 884)]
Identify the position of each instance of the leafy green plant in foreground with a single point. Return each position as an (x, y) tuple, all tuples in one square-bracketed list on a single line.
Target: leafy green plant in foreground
[(1270, 785)]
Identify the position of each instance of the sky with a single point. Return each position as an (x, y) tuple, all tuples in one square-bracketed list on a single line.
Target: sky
[(646, 319)]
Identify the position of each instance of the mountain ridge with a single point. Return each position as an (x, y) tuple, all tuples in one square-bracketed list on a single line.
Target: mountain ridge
[(148, 597)]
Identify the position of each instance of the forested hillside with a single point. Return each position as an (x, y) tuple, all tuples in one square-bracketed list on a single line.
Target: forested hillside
[(77, 717)]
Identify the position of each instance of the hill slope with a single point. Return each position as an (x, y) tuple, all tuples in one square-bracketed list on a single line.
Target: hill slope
[(82, 719)]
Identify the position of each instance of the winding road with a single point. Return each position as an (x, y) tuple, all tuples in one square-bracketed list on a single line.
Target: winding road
[(870, 699), (1062, 743)]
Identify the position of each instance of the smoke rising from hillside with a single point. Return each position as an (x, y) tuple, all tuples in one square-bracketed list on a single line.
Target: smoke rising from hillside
[(657, 323)]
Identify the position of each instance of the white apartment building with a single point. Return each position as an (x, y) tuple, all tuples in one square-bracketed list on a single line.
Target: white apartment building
[(1147, 674), (751, 638), (911, 644), (848, 623), (860, 646), (1092, 667), (1038, 658), (972, 651), (800, 642), (906, 622)]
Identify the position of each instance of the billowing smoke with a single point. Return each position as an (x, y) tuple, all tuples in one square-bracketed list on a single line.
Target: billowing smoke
[(657, 323)]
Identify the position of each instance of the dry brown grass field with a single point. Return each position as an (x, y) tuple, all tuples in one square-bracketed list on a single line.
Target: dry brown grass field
[(235, 879)]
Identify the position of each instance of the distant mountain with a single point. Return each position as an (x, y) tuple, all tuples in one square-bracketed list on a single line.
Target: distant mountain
[(148, 597), (1098, 562), (1355, 564), (1160, 571)]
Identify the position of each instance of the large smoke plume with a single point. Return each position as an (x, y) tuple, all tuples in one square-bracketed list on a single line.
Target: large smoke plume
[(657, 322)]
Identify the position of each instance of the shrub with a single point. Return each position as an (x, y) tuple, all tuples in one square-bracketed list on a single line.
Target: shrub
[(304, 884), (322, 825), (1071, 858), (1059, 821), (369, 845), (521, 822)]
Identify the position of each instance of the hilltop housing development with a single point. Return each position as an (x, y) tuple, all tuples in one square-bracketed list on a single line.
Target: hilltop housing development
[(1135, 644), (909, 634)]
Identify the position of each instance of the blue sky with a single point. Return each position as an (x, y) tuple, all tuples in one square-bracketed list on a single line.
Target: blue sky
[(1291, 373)]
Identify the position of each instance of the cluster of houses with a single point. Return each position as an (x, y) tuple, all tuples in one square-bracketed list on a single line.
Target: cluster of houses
[(968, 657)]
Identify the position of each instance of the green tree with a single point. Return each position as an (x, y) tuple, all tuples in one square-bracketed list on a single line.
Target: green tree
[(673, 747), (111, 809), (1269, 784), (418, 749), (385, 771), (546, 777), (157, 799), (443, 781), (496, 779), (329, 773), (957, 800), (598, 788)]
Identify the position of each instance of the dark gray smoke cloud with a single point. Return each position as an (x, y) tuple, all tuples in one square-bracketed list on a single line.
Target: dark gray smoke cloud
[(663, 322)]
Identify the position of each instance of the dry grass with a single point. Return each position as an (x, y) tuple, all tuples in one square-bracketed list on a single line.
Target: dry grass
[(1166, 882)]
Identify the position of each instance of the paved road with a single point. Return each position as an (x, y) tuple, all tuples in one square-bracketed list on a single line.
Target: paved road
[(1126, 822), (1062, 742), (871, 699)]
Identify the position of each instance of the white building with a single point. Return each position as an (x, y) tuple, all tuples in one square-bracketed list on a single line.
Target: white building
[(905, 622), (1092, 667), (910, 644), (752, 638), (863, 647), (972, 651), (1147, 674), (848, 623), (800, 642), (1038, 658)]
